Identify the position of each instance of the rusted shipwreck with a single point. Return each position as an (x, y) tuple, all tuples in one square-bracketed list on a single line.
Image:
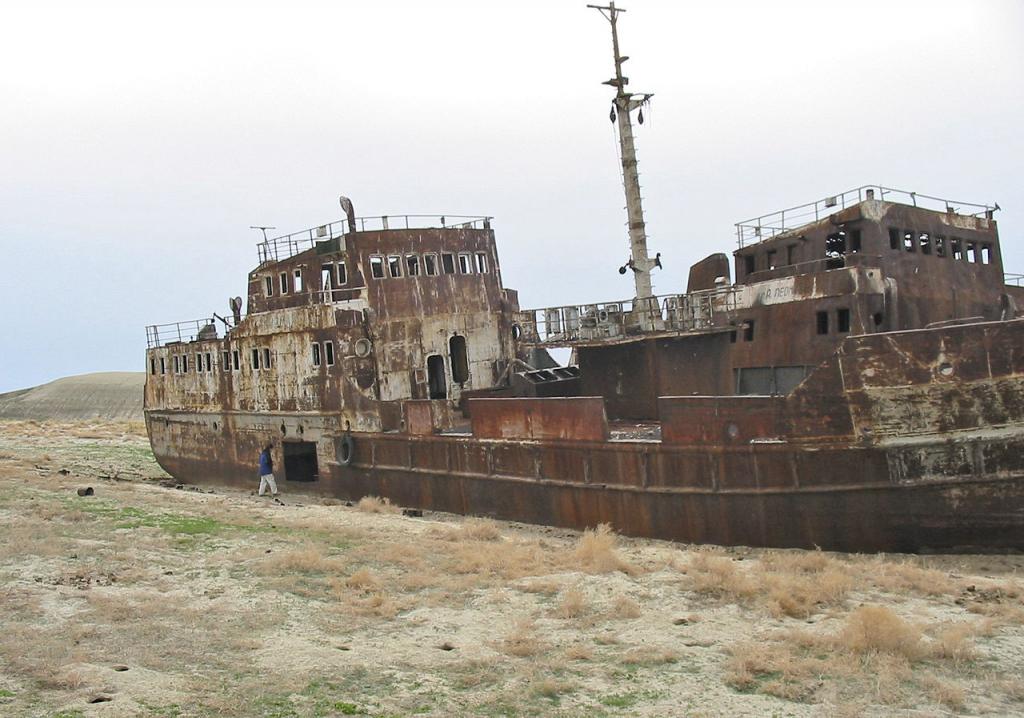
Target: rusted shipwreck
[(858, 386)]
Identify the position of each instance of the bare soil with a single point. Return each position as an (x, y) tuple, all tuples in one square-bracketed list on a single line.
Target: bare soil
[(146, 600)]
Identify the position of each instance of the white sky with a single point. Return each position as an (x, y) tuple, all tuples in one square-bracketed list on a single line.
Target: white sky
[(138, 141)]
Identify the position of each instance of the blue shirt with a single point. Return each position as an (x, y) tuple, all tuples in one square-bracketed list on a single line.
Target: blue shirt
[(266, 463)]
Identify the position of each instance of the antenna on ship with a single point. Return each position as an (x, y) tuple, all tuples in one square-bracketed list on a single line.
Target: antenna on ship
[(623, 105), (264, 229)]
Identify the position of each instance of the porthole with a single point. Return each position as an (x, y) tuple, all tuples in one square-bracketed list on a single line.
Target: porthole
[(517, 332), (363, 348), (731, 430), (946, 369), (284, 429)]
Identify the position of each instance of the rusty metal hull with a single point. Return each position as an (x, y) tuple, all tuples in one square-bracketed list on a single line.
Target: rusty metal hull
[(837, 498), (861, 388)]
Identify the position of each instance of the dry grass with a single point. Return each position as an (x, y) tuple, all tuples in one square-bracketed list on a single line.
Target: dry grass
[(522, 641), (377, 505), (552, 687), (545, 586), (343, 593), (363, 580), (944, 690), (954, 641), (572, 605), (625, 608), (904, 577), (579, 652), (875, 653), (880, 629), (649, 656), (790, 584), (720, 576), (595, 552), (308, 558), (475, 529)]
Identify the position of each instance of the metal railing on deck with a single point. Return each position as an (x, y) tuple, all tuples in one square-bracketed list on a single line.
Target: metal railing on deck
[(568, 325), (288, 245), (158, 335), (766, 226)]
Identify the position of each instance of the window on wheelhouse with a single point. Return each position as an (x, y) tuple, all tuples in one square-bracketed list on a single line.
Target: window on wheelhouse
[(395, 265), (430, 265), (465, 264), (448, 263), (377, 267), (481, 263)]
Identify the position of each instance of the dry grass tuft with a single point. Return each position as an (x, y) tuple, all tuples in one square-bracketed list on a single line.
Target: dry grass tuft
[(944, 691), (649, 656), (551, 688), (363, 580), (801, 596), (953, 641), (546, 587), (522, 641), (719, 576), (476, 529), (906, 577), (880, 629), (377, 505), (572, 605), (624, 607), (596, 552), (308, 558), (579, 652), (506, 560)]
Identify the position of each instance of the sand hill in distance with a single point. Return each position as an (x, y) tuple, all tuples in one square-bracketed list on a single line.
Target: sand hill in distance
[(114, 395)]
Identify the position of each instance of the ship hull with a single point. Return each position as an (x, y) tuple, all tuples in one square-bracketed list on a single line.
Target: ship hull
[(845, 498)]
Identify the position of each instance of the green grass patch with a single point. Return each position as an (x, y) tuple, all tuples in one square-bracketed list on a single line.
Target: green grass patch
[(131, 517), (4, 693)]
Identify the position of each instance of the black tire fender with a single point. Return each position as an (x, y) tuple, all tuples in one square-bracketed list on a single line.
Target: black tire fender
[(346, 450)]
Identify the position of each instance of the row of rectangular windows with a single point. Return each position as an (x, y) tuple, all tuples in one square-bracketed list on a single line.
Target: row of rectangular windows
[(913, 241), (259, 359), (836, 244), (409, 265), (428, 264)]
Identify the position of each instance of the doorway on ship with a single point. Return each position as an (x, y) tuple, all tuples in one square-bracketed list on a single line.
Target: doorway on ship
[(300, 461), (435, 377)]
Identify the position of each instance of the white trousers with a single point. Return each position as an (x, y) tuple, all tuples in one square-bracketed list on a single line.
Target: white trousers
[(265, 481)]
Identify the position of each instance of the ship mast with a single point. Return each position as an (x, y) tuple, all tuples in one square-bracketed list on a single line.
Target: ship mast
[(622, 108)]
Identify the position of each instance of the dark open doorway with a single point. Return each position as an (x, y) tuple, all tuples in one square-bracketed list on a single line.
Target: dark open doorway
[(300, 461), (435, 377)]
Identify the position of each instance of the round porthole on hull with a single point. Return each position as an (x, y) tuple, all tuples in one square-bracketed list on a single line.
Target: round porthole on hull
[(363, 347)]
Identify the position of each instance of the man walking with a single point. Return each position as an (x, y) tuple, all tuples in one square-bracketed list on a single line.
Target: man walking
[(267, 471)]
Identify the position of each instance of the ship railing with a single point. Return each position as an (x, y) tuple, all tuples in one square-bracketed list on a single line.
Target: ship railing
[(1016, 280), (621, 319), (757, 229), (288, 245), (159, 335)]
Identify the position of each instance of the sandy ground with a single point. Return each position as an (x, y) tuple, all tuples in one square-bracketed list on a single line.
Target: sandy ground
[(154, 601)]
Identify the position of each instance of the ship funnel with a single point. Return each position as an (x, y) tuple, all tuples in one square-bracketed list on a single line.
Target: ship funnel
[(350, 212)]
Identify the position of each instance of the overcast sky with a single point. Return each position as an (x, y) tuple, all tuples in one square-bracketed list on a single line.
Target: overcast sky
[(138, 141)]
